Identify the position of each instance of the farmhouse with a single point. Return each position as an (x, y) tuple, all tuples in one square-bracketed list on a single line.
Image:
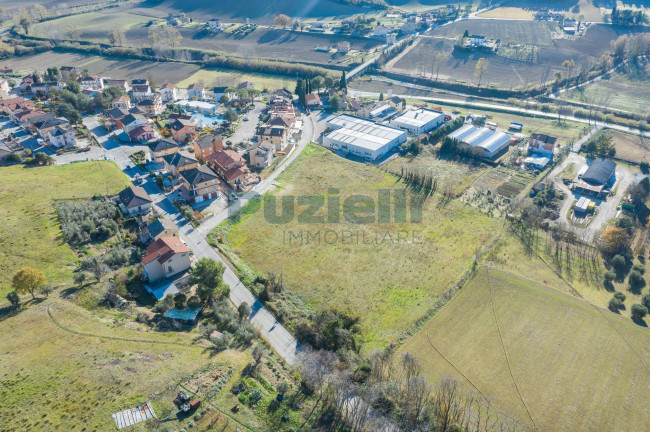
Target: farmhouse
[(215, 24), (362, 138), (165, 257), (343, 47), (134, 200), (489, 143), (542, 143), (163, 147), (598, 178), (418, 121)]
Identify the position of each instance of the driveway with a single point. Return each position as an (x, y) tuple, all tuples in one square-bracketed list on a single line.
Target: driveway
[(607, 208), (246, 129)]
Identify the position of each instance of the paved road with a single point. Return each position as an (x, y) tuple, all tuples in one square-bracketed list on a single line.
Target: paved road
[(313, 125), (270, 329)]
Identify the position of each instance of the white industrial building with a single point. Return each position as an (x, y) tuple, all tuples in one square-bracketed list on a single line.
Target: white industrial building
[(488, 142), (418, 121), (362, 138)]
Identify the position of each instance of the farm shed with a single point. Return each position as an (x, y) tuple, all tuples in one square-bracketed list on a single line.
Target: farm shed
[(536, 162), (132, 416), (185, 315), (362, 138), (597, 179), (418, 121), (582, 205), (490, 143)]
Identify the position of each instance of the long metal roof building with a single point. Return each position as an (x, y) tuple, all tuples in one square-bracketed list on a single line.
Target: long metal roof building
[(491, 142)]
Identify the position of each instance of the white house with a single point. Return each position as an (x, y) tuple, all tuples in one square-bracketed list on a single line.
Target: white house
[(196, 90), (168, 93), (166, 257), (542, 143), (60, 137), (215, 24), (134, 200), (418, 121), (141, 91)]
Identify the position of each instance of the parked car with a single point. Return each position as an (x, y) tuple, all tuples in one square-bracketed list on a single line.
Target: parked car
[(245, 118), (233, 196)]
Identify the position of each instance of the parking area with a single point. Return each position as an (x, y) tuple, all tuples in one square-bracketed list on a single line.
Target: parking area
[(605, 208)]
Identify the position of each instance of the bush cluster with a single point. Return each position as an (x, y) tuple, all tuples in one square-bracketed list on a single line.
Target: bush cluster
[(85, 221)]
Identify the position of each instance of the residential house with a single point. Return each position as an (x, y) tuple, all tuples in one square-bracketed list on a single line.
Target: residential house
[(134, 200), (196, 90), (24, 115), (207, 145), (5, 88), (276, 135), (215, 24), (166, 257), (113, 118), (246, 85), (168, 93), (140, 81), (542, 143), (313, 101), (27, 82), (152, 106), (230, 166), (201, 183), (161, 148), (141, 133), (159, 227), (42, 127), (61, 137), (133, 121), (141, 91), (261, 155), (68, 71), (219, 92), (343, 47), (45, 87), (182, 129), (7, 148), (123, 102), (376, 110), (9, 106), (176, 163), (123, 84), (397, 103), (91, 82)]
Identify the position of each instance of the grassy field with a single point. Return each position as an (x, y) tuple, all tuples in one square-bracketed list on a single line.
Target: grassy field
[(559, 350), (388, 284), (508, 13), (54, 379), (118, 69), (624, 89), (434, 55), (94, 26), (230, 78), (29, 234)]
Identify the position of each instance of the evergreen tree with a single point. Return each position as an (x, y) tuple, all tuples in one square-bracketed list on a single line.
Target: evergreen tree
[(343, 83)]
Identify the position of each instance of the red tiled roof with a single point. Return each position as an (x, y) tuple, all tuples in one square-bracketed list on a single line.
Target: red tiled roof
[(163, 249)]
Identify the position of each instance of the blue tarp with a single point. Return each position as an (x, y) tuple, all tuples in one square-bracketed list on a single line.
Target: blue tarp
[(187, 314)]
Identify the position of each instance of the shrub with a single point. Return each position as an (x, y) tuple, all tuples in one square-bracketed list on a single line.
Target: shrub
[(619, 295), (639, 268), (645, 167), (645, 300), (619, 264), (639, 312), (610, 276)]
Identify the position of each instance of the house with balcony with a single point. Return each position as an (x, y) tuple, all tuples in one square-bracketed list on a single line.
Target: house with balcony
[(166, 257), (176, 163), (161, 148), (152, 106), (206, 145), (201, 184), (168, 93)]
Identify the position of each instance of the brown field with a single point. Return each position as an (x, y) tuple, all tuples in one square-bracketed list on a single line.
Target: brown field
[(435, 56), (118, 69), (632, 148)]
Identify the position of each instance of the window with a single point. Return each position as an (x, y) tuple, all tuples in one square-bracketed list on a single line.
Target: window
[(169, 268)]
